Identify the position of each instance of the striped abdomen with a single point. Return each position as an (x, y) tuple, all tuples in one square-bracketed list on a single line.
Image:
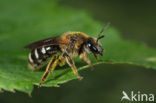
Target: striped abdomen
[(39, 56)]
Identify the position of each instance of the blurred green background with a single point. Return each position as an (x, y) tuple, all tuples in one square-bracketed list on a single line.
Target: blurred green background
[(136, 21)]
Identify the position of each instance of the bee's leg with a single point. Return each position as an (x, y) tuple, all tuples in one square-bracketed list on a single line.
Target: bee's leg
[(95, 56), (85, 58), (61, 61), (72, 65), (50, 67)]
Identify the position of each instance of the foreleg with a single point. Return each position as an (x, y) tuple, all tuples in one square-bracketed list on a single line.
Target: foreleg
[(85, 58)]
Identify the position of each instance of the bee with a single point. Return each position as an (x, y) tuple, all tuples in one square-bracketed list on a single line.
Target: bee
[(63, 48)]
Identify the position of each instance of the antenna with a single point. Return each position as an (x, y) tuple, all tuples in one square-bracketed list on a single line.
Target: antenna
[(105, 27)]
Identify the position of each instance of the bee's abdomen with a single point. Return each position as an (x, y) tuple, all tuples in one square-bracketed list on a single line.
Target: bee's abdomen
[(39, 56)]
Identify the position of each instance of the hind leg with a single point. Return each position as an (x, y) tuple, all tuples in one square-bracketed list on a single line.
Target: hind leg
[(61, 61), (50, 67)]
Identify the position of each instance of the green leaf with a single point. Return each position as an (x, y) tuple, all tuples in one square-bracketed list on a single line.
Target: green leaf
[(25, 21)]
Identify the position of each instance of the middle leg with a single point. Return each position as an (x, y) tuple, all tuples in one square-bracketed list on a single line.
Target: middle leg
[(72, 65)]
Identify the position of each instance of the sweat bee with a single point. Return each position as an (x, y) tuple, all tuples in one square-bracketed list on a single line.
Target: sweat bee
[(63, 48)]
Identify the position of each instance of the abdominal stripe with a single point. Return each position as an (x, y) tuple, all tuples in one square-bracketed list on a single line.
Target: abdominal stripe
[(39, 55), (34, 58)]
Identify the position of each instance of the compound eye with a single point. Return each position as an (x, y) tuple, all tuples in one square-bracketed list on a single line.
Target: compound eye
[(94, 49)]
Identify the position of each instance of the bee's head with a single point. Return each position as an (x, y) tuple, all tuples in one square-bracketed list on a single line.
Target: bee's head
[(92, 44)]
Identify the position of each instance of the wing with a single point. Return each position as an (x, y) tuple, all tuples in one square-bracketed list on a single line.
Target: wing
[(45, 42)]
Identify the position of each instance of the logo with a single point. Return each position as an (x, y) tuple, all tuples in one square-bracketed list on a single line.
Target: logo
[(137, 96)]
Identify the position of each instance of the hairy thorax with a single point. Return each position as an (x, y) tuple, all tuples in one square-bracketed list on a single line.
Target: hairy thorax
[(75, 40)]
